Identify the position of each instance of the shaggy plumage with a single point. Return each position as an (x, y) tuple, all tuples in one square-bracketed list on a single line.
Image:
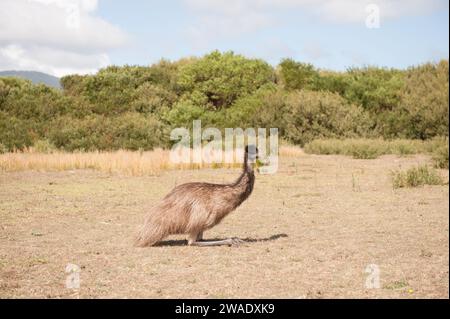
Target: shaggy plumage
[(192, 208)]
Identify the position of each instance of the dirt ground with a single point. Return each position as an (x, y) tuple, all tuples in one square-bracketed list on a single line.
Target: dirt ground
[(312, 230)]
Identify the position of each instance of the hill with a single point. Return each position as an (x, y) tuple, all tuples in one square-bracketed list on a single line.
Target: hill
[(34, 76)]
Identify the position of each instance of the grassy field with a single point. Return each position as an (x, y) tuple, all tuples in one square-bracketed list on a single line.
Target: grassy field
[(310, 230)]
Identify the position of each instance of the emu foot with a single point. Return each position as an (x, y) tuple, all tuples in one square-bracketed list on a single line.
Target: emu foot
[(236, 241)]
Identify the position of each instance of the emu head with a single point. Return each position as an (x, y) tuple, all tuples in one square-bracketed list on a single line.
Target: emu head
[(251, 153)]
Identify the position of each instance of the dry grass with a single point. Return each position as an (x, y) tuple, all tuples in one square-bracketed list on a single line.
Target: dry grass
[(123, 162), (290, 151), (311, 230), (127, 162), (132, 163)]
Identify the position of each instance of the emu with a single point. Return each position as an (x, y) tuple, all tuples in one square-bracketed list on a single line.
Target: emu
[(192, 208)]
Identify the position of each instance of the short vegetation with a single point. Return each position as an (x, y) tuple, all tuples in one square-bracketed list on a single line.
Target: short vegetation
[(417, 176), (372, 148), (440, 157)]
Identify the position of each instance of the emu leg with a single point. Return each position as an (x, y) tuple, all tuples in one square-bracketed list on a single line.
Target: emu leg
[(225, 242), (194, 237)]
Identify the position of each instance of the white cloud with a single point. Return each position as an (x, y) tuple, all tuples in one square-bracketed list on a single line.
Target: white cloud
[(55, 36), (354, 11), (219, 20), (337, 10), (234, 16), (50, 60)]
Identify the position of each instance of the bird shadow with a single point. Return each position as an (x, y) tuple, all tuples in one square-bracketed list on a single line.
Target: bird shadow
[(182, 242)]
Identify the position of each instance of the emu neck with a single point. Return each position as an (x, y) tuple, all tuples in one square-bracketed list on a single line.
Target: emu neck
[(244, 184)]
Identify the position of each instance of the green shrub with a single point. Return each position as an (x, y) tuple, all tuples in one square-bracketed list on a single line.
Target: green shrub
[(297, 75), (134, 131), (310, 115), (365, 151), (336, 82), (34, 102), (152, 98), (440, 157), (183, 113), (128, 131), (422, 112), (15, 133), (416, 176), (376, 89), (264, 108)]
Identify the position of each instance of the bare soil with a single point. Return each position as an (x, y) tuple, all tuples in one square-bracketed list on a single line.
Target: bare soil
[(310, 230)]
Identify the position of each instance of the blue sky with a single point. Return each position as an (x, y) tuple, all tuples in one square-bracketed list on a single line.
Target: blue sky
[(330, 34), (162, 30)]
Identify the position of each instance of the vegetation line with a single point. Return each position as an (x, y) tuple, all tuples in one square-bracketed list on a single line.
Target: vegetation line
[(135, 107), (438, 147)]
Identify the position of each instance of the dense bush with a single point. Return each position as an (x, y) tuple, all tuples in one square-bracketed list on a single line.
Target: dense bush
[(116, 90), (264, 108), (310, 115), (25, 100), (97, 132), (376, 89), (136, 106), (423, 112), (335, 82), (297, 75), (15, 133)]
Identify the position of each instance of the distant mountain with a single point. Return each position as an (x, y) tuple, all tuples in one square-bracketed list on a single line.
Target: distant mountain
[(35, 77)]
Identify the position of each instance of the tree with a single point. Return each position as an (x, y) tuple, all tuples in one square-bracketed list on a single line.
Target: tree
[(297, 75), (218, 79)]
